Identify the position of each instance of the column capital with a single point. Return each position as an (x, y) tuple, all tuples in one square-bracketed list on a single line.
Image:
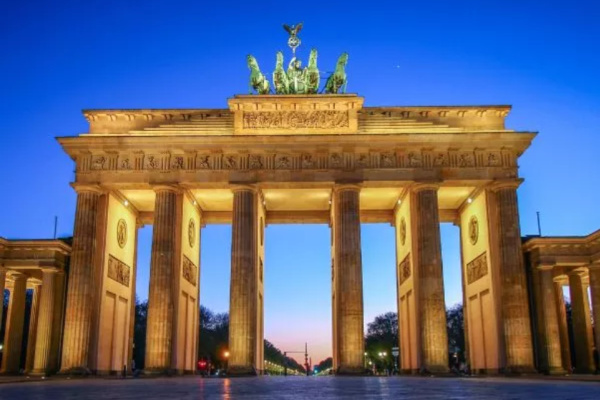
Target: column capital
[(166, 188), (425, 185), (87, 188), (241, 187), (344, 187), (505, 184), (593, 266), (16, 276), (49, 270), (576, 272), (545, 267)]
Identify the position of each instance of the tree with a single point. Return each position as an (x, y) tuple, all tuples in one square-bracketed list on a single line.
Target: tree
[(324, 365), (275, 355), (456, 331), (382, 335), (139, 332)]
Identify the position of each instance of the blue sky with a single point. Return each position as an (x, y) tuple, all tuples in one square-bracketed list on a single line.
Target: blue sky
[(61, 57)]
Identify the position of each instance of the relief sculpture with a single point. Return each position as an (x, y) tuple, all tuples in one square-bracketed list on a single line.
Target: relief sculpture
[(118, 271), (477, 268), (189, 271), (319, 119)]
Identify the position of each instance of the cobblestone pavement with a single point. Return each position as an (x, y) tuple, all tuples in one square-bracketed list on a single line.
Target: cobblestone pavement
[(302, 388)]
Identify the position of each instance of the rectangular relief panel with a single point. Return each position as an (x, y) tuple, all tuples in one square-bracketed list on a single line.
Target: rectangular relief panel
[(295, 114)]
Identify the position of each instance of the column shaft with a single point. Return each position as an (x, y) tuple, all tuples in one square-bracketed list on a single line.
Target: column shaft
[(582, 324), (514, 299), (595, 292), (33, 325), (43, 341), (430, 283), (80, 295), (350, 319), (243, 289), (550, 328), (15, 320), (561, 312), (159, 333)]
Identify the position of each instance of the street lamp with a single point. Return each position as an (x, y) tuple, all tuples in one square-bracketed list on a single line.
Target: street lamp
[(226, 356)]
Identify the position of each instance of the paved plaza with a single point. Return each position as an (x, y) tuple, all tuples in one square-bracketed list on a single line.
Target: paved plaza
[(302, 388)]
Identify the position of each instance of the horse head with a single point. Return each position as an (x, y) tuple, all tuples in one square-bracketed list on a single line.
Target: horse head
[(279, 60), (252, 63), (343, 60), (312, 59)]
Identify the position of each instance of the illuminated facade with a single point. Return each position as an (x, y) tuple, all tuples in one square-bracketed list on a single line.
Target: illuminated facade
[(273, 159)]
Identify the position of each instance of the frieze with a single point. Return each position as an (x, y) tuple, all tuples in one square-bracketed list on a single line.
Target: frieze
[(99, 162), (477, 269), (189, 271), (296, 120), (203, 162), (404, 269), (118, 271), (255, 161), (139, 161), (177, 162)]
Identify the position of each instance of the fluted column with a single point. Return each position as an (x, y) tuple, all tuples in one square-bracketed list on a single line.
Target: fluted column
[(430, 283), (33, 325), (595, 292), (43, 339), (514, 299), (15, 319), (348, 257), (81, 289), (159, 333), (243, 284), (582, 324), (561, 312), (550, 327)]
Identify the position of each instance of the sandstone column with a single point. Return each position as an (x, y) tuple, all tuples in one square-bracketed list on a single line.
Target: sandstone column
[(582, 324), (550, 327), (514, 298), (561, 312), (430, 282), (15, 319), (33, 325), (595, 292), (80, 295), (349, 292), (243, 289), (159, 333), (43, 341)]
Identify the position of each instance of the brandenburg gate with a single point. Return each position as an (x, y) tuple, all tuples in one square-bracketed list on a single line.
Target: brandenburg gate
[(312, 158), (298, 156)]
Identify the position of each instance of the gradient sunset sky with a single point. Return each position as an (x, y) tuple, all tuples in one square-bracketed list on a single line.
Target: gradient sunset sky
[(61, 57)]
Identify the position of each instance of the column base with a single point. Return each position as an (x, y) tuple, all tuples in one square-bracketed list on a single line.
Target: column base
[(434, 370), (556, 371), (350, 370), (241, 371), (39, 373), (408, 371), (519, 370), (78, 371), (160, 372)]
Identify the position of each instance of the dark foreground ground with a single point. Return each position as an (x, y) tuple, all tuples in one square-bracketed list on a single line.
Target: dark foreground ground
[(302, 388)]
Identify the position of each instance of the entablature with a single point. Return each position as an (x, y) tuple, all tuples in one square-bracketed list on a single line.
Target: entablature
[(564, 251)]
